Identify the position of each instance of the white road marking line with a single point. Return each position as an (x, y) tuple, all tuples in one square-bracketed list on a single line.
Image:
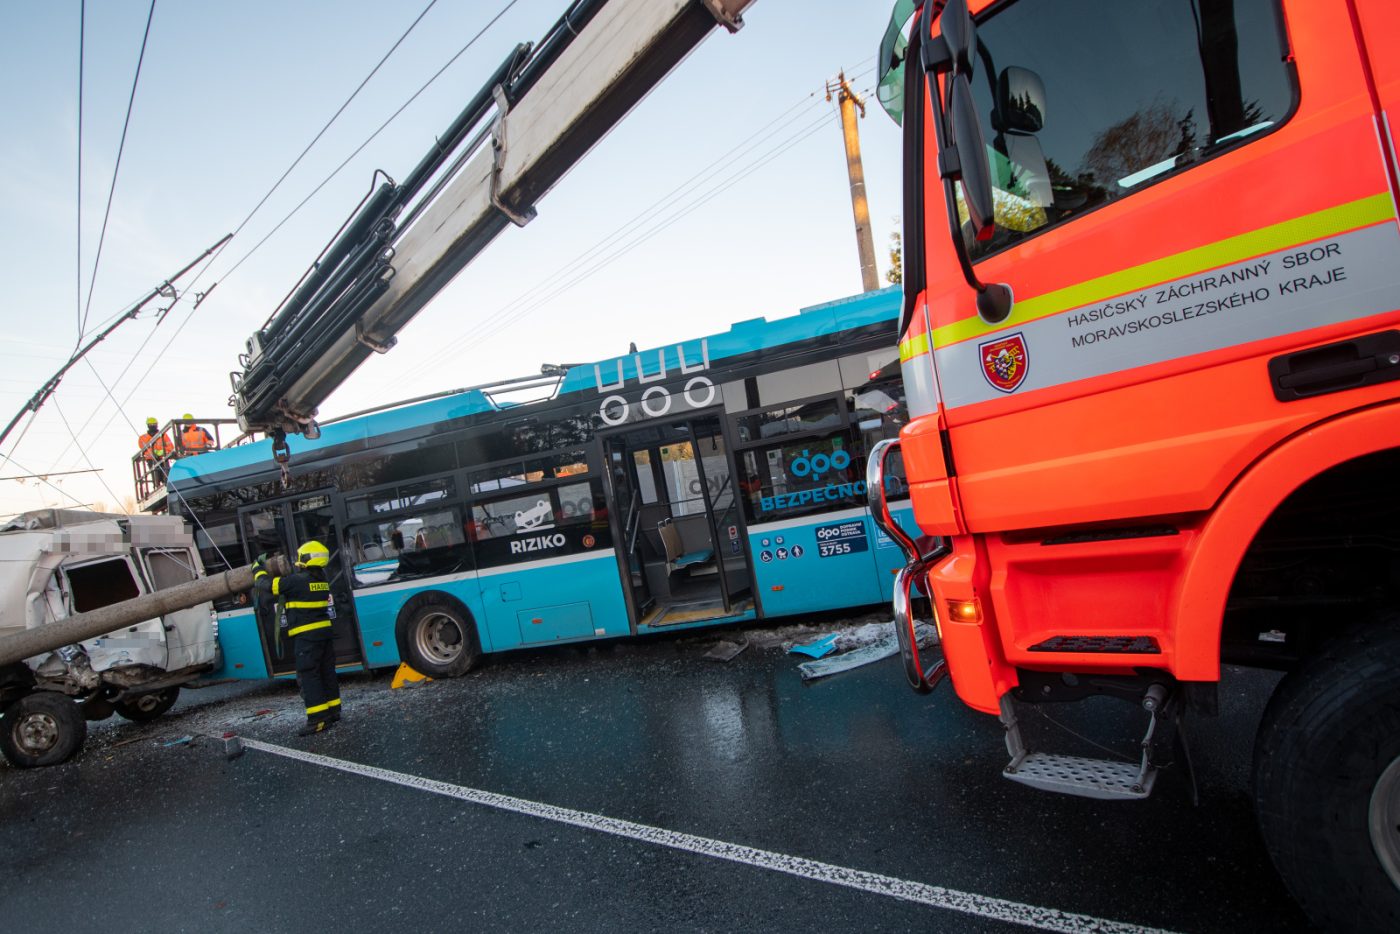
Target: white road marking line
[(982, 906)]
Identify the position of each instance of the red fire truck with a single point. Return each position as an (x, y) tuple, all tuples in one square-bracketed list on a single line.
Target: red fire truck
[(1152, 337)]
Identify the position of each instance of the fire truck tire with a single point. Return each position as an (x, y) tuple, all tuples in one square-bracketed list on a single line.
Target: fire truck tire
[(1327, 781), (436, 640), (146, 707), (39, 729)]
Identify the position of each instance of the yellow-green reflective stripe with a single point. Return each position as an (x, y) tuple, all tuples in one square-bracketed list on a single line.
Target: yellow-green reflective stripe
[(322, 708), (307, 604), (257, 574), (323, 624), (276, 585), (911, 347), (1334, 220)]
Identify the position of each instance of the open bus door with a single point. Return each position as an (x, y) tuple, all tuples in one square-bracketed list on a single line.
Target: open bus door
[(677, 522), (283, 526)]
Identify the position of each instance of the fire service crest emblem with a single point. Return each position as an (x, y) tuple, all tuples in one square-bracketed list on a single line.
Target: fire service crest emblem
[(1004, 362)]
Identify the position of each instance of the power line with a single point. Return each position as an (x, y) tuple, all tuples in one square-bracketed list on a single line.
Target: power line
[(116, 500), (43, 478), (297, 161), (151, 366), (52, 473), (116, 170), (369, 139), (654, 231), (82, 35), (552, 287), (549, 282)]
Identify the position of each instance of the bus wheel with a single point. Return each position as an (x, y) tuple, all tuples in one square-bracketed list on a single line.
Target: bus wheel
[(438, 642), (41, 729), (1327, 781), (146, 707)]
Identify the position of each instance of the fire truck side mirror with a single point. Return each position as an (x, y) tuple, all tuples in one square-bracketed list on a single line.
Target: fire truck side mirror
[(1020, 101), (965, 133)]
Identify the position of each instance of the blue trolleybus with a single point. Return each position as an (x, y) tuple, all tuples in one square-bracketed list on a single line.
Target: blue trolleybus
[(708, 482)]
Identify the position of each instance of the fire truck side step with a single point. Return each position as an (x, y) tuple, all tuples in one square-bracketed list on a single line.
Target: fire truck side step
[(1076, 775), (1087, 778), (1118, 645)]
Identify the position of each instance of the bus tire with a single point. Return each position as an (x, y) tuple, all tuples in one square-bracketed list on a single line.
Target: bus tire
[(1327, 781), (144, 708), (40, 729), (437, 640)]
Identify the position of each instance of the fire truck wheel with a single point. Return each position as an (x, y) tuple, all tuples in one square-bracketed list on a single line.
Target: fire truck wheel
[(41, 729), (1327, 781), (438, 642), (146, 707)]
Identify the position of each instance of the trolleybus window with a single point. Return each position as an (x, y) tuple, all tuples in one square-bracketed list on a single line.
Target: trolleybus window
[(1076, 117)]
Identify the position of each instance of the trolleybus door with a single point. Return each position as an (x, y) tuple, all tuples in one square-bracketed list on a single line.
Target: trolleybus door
[(282, 526), (674, 507), (313, 519)]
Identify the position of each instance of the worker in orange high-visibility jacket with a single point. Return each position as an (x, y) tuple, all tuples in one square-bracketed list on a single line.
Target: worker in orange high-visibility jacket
[(156, 448), (194, 439), (310, 612)]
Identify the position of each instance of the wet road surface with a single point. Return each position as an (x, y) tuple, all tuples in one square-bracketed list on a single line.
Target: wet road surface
[(649, 789)]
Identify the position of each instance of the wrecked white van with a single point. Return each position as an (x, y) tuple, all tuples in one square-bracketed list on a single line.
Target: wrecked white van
[(56, 563)]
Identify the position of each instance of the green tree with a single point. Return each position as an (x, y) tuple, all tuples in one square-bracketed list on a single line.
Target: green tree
[(895, 275)]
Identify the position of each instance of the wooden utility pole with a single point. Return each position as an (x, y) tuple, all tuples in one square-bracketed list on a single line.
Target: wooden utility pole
[(865, 242)]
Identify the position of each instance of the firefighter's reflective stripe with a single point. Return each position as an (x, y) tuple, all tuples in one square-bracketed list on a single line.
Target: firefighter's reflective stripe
[(322, 708), (319, 585), (261, 573), (1268, 285), (276, 586), (323, 624), (307, 604)]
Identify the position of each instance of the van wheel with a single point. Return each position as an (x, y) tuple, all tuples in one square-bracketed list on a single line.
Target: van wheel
[(146, 707), (41, 729), (437, 641), (1327, 781)]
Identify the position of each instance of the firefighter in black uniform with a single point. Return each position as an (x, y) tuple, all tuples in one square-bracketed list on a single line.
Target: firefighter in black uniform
[(306, 594)]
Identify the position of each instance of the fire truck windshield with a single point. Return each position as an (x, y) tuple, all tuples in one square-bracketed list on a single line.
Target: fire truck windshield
[(1082, 103)]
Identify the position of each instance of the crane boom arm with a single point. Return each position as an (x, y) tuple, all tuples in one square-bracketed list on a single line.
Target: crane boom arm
[(542, 110)]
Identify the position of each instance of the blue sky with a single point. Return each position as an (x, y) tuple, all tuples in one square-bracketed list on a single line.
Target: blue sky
[(230, 93)]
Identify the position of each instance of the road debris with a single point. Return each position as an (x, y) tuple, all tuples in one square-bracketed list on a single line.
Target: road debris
[(817, 648), (725, 651), (856, 646)]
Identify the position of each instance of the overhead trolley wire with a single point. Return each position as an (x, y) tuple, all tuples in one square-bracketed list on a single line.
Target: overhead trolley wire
[(116, 500), (374, 135), (139, 350), (116, 170), (648, 234), (82, 35), (559, 281)]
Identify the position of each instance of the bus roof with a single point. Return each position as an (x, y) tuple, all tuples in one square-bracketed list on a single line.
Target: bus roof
[(743, 337)]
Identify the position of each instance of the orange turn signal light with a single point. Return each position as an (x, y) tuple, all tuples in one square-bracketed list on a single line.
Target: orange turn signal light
[(964, 611)]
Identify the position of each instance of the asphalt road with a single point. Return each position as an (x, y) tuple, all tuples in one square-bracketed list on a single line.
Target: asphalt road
[(635, 788)]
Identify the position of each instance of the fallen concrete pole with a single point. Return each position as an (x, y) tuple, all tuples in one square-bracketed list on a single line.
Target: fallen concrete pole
[(104, 620)]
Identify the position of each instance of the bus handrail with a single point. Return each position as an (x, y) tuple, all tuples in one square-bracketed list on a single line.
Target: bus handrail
[(633, 525)]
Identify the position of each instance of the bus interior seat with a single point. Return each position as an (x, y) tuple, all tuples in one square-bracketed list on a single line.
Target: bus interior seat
[(676, 555)]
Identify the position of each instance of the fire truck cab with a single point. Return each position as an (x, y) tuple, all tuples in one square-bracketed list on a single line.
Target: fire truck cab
[(1151, 341)]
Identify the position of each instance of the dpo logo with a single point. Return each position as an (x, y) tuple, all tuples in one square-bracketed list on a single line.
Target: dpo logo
[(698, 392), (817, 465)]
